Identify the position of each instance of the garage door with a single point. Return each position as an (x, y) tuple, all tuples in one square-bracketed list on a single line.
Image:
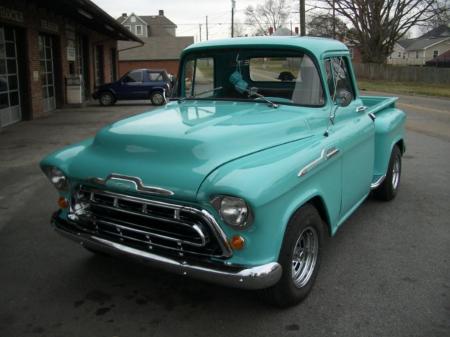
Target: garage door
[(47, 72), (10, 109)]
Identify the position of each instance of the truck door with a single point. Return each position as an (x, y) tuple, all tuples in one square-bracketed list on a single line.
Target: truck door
[(355, 132)]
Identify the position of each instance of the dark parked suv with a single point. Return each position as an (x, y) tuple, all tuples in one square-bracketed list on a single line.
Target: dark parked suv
[(137, 84)]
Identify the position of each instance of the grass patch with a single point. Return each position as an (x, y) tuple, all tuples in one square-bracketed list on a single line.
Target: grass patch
[(409, 88)]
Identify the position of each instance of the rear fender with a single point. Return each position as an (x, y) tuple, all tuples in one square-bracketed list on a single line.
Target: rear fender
[(389, 130)]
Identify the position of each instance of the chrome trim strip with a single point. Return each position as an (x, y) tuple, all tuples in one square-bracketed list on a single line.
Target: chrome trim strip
[(213, 224), (325, 155), (257, 277), (312, 164), (361, 108), (136, 181), (378, 182)]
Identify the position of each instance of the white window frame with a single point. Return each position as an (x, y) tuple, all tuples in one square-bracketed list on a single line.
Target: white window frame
[(435, 53), (142, 30)]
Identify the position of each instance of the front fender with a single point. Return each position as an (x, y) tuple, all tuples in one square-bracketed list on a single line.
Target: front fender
[(269, 182), (62, 158)]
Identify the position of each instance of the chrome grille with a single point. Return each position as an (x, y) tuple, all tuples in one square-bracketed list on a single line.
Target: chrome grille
[(159, 227)]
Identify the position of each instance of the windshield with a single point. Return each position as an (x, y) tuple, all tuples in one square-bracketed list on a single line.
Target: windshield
[(284, 77)]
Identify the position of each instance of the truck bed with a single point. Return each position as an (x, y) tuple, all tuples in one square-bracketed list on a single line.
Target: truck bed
[(378, 103)]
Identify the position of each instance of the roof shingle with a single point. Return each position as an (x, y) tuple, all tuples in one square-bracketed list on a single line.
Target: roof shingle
[(155, 48)]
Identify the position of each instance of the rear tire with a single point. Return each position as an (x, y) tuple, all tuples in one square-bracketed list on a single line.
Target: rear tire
[(389, 188), (106, 99), (157, 98), (299, 258)]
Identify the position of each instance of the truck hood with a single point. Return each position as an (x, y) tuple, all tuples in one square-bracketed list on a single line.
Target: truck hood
[(175, 147)]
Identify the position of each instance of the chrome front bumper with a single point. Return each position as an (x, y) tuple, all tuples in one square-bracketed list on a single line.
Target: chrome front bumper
[(258, 277)]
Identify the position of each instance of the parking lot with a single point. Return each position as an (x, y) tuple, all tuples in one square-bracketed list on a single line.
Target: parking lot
[(385, 273)]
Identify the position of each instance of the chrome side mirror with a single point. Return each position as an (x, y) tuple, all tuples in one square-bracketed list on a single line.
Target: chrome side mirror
[(343, 98)]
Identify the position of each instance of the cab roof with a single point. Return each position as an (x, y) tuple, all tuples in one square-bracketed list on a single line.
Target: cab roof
[(315, 45)]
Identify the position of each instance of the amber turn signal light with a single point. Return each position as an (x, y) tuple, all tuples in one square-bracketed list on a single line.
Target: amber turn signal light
[(63, 203), (237, 242)]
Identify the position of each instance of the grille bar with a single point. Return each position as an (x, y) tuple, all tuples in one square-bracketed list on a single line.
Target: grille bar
[(144, 214), (148, 224), (164, 237)]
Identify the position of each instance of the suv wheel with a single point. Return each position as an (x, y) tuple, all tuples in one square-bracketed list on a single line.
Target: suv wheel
[(107, 99), (157, 98)]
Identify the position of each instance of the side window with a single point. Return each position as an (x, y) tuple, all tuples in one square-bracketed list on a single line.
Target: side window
[(133, 77), (199, 77), (338, 76), (155, 77)]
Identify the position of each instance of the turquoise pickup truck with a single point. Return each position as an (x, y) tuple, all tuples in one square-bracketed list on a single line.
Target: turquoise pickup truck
[(267, 148)]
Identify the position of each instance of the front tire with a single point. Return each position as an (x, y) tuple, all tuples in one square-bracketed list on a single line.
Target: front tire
[(299, 258), (389, 188)]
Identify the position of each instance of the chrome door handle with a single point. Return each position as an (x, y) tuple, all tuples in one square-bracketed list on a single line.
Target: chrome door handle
[(361, 108), (331, 152)]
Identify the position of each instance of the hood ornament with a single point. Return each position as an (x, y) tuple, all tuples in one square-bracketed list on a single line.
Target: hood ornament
[(134, 181)]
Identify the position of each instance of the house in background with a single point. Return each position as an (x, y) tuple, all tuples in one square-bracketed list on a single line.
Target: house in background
[(161, 48), (422, 49), (355, 51), (400, 53), (442, 60)]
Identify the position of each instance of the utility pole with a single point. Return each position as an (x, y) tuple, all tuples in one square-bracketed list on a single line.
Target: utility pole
[(302, 10), (233, 6), (200, 32), (334, 20), (207, 37)]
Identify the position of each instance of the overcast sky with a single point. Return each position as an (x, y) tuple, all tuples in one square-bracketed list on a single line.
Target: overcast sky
[(187, 14)]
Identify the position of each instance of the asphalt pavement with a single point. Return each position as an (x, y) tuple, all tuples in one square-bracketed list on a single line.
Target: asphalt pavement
[(385, 273)]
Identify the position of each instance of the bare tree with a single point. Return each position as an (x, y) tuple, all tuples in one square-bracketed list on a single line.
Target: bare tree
[(322, 25), (239, 29), (379, 24), (441, 9), (272, 13)]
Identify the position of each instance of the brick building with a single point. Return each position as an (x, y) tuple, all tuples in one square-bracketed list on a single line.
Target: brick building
[(54, 53), (161, 49)]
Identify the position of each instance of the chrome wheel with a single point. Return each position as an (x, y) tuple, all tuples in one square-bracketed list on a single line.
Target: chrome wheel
[(157, 99), (304, 257), (396, 173)]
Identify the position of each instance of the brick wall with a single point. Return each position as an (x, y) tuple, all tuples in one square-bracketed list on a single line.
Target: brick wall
[(170, 65), (31, 26)]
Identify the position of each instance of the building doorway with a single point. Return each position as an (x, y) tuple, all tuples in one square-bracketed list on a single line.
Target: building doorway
[(99, 66), (47, 66), (10, 107)]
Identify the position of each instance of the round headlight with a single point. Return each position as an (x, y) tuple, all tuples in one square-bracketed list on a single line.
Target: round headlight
[(234, 211), (57, 178)]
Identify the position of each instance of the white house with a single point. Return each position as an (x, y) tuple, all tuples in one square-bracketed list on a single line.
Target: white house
[(422, 49)]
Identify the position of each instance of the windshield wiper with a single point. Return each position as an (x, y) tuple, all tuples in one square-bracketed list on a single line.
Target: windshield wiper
[(200, 93), (253, 91)]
